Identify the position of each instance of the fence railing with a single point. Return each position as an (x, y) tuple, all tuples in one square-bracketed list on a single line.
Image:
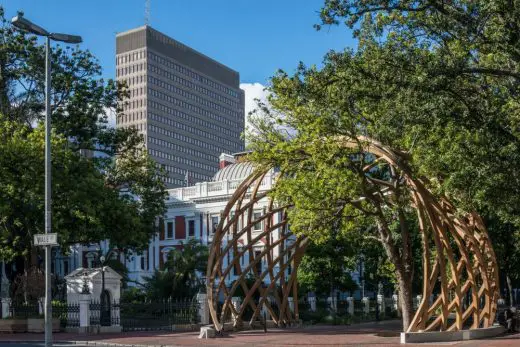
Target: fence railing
[(67, 313), (327, 310), (171, 314)]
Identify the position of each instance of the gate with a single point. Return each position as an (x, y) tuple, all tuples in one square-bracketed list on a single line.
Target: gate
[(105, 311)]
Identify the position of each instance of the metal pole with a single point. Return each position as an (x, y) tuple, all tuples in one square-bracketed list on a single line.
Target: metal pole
[(48, 307), (103, 298)]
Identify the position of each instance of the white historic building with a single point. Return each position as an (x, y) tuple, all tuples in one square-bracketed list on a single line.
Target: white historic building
[(192, 212)]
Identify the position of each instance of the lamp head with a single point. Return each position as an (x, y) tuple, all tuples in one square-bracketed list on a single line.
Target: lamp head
[(26, 25), (66, 38)]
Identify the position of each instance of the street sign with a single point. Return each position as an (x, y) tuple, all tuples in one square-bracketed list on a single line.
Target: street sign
[(46, 239)]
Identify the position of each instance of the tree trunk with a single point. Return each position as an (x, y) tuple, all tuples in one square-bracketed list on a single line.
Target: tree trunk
[(510, 290), (404, 282)]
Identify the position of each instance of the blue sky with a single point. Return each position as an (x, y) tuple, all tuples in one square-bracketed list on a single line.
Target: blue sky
[(254, 37)]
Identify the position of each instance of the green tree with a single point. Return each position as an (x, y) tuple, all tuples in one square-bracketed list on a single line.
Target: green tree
[(506, 242), (97, 197), (435, 80), (181, 276), (326, 267), (186, 264)]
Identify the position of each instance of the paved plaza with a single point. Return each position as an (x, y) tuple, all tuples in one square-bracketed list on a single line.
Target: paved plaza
[(371, 334)]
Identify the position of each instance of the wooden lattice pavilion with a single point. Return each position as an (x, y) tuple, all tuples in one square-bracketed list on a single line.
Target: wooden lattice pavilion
[(458, 258)]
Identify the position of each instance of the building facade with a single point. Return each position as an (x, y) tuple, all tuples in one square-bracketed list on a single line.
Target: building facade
[(188, 107), (192, 213)]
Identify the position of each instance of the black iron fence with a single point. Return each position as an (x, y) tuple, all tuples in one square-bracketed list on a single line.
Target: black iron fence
[(324, 310), (171, 314), (67, 313)]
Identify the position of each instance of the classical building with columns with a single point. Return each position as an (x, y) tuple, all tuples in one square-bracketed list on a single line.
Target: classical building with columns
[(193, 212)]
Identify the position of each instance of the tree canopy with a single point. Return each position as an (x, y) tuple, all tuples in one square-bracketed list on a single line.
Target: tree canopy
[(116, 193), (436, 81)]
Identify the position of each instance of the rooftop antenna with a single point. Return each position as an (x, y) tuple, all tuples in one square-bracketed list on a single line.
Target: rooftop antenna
[(147, 12)]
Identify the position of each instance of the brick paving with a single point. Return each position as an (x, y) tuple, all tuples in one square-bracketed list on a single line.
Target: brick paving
[(373, 334)]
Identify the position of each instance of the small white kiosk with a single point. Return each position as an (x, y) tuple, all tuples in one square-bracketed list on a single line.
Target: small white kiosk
[(101, 286)]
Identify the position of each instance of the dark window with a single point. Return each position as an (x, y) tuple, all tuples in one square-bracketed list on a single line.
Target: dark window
[(169, 234), (191, 228), (65, 267), (257, 226), (214, 223), (142, 262), (258, 265)]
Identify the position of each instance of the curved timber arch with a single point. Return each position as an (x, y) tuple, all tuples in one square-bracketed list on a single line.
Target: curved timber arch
[(458, 258)]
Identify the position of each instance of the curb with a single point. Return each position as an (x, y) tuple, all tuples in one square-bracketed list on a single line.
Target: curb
[(86, 343), (110, 344)]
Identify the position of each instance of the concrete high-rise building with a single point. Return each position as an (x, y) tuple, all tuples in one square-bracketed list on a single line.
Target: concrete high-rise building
[(188, 107)]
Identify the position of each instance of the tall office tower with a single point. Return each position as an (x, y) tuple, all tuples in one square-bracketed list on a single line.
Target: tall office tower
[(188, 107)]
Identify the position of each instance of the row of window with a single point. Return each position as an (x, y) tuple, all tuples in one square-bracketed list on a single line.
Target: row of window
[(180, 137), (175, 181), (193, 86), (176, 170), (159, 130), (131, 81), (134, 92), (198, 99), (130, 57), (190, 73), (130, 69), (130, 117), (130, 105), (187, 117), (170, 229), (160, 154), (194, 108), (182, 149), (196, 131)]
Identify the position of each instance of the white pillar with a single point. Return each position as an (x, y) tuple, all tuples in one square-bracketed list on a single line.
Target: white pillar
[(84, 311), (290, 300), (202, 299), (381, 303), (366, 305), (395, 299), (235, 301), (418, 299), (312, 303), (6, 303), (332, 303), (265, 312), (41, 301), (350, 305)]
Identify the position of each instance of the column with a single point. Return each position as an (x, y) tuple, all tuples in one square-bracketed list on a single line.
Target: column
[(265, 311), (350, 305), (84, 312), (6, 304), (312, 303), (290, 300), (202, 299), (418, 300), (237, 321), (41, 302), (395, 299), (381, 304), (366, 305)]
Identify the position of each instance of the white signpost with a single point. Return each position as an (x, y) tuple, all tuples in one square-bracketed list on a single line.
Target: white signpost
[(46, 239)]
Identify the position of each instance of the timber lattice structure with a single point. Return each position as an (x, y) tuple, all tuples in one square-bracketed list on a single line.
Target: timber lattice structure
[(459, 263)]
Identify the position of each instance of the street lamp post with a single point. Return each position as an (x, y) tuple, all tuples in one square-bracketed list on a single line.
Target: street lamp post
[(26, 25), (103, 298)]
